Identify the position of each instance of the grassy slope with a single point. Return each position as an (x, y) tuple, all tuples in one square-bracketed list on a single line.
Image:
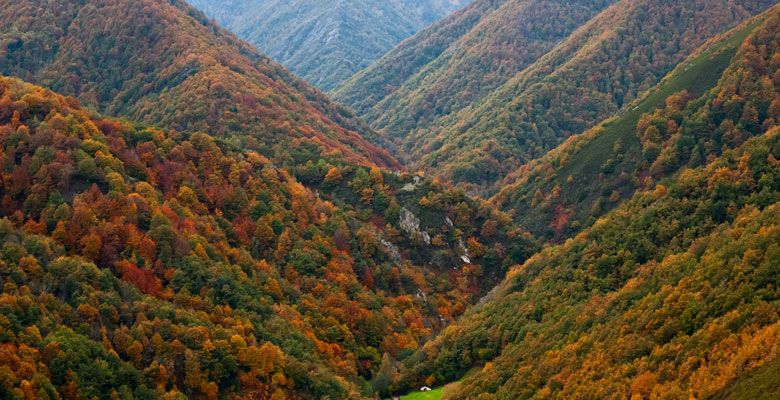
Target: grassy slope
[(761, 383), (696, 76), (440, 393), (434, 394)]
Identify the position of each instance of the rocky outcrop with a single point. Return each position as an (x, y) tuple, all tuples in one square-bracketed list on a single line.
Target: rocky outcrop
[(391, 250), (464, 252), (411, 225)]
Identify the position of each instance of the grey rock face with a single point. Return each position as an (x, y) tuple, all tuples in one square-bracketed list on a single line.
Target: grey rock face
[(411, 225)]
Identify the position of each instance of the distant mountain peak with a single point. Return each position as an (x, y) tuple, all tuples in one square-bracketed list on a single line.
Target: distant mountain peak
[(326, 42)]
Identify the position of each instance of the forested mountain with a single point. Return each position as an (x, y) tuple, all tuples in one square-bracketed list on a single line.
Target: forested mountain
[(638, 308), (449, 66), (237, 236), (591, 173), (673, 294), (163, 62), (603, 65), (326, 42), (143, 262), (181, 217)]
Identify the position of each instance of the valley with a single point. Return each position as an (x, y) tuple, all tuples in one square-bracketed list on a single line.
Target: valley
[(497, 199)]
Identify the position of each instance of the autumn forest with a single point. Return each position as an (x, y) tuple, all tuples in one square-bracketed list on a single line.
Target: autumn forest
[(502, 199)]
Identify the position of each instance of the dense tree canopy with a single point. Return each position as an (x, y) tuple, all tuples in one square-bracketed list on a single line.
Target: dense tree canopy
[(524, 82), (672, 294), (455, 63), (188, 266), (237, 237), (165, 63), (682, 122)]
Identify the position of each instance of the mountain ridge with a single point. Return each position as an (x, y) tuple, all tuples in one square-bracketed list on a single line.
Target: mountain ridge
[(608, 176), (509, 37), (607, 313), (202, 76), (587, 77), (326, 43), (171, 264)]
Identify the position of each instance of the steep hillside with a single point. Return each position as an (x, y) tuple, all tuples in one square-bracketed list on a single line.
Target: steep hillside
[(604, 65), (638, 308), (458, 61), (146, 262), (326, 42), (368, 87), (163, 62), (594, 172), (673, 293), (196, 222)]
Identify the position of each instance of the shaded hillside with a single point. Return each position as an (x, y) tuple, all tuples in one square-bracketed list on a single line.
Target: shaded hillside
[(163, 62), (368, 87), (674, 292), (326, 42), (146, 262), (594, 172), (638, 308), (478, 50), (605, 64)]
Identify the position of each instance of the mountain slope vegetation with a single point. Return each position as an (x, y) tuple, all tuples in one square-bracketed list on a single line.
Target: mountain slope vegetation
[(235, 235), (453, 64), (326, 42), (598, 69), (184, 265), (368, 87), (673, 293), (181, 217), (588, 175), (164, 63), (614, 314)]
